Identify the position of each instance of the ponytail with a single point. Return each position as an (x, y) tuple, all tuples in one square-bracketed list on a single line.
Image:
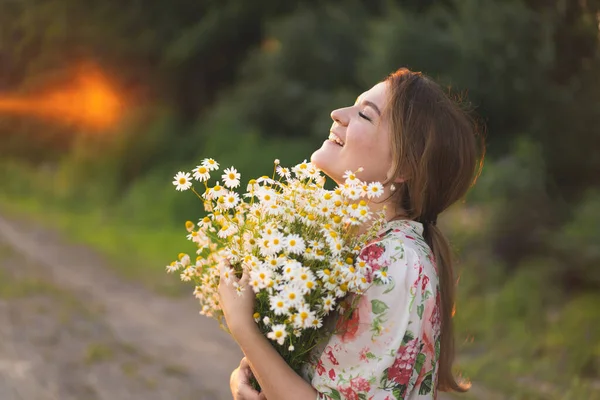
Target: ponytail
[(443, 258)]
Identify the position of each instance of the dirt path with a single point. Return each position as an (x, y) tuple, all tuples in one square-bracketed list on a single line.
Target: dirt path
[(70, 329)]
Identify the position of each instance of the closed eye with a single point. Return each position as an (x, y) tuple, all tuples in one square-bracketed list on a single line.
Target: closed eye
[(362, 115)]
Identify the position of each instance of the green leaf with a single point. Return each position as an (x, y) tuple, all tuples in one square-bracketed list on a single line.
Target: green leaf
[(390, 286), (427, 384), (370, 356), (419, 362), (420, 310), (408, 336), (398, 392), (378, 306), (334, 394), (362, 396), (383, 380)]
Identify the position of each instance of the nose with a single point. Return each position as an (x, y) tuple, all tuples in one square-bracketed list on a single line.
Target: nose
[(339, 116)]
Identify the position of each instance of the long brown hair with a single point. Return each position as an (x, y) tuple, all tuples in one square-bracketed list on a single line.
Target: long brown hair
[(436, 151)]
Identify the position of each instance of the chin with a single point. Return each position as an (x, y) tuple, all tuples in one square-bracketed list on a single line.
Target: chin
[(323, 160)]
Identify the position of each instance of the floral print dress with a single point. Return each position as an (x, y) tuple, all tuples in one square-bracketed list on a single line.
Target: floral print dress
[(389, 347)]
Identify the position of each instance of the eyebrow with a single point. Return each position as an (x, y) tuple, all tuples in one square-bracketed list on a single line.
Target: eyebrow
[(373, 106)]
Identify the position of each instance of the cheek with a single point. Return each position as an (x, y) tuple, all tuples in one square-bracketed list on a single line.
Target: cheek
[(377, 158)]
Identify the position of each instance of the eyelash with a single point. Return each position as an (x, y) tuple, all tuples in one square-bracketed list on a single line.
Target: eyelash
[(362, 115)]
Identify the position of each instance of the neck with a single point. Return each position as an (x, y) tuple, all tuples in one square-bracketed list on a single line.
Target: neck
[(386, 203)]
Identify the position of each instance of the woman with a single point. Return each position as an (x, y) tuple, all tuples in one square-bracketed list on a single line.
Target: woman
[(398, 344)]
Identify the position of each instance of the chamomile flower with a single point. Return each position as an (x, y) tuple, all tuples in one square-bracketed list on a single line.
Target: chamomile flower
[(227, 230), (351, 179), (182, 181), (283, 172), (382, 276), (301, 169), (174, 266), (211, 164), (292, 296), (328, 303), (215, 192), (277, 240), (374, 190), (251, 187), (228, 273), (231, 178), (316, 323), (255, 285), (278, 333), (201, 173), (294, 244), (266, 196), (187, 274), (278, 305), (231, 199), (304, 316), (352, 192)]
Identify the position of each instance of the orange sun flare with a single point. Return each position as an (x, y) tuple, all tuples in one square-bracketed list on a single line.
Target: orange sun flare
[(91, 102)]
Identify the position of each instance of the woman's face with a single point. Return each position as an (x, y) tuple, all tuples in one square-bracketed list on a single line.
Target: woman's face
[(359, 137)]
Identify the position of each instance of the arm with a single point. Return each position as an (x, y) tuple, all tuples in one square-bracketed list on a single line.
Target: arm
[(277, 380)]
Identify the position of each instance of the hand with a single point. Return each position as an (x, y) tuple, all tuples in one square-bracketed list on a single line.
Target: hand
[(239, 382), (237, 309)]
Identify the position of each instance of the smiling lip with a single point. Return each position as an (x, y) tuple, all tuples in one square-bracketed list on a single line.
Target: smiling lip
[(335, 138)]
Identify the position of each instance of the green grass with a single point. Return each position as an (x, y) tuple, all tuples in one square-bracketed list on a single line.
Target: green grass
[(135, 252)]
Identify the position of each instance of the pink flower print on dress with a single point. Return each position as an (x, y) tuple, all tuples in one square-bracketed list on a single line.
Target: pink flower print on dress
[(360, 384), (350, 328), (330, 355), (348, 393), (372, 253), (332, 374), (363, 354), (419, 278), (320, 368), (402, 369), (425, 282), (435, 318)]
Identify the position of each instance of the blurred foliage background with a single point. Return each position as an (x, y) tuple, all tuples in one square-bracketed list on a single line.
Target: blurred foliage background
[(247, 82)]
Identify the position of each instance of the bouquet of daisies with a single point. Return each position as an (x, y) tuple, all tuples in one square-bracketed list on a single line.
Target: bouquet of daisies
[(297, 241)]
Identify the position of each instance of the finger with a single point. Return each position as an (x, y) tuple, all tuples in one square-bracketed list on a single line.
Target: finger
[(244, 279), (244, 371), (246, 392), (262, 396)]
